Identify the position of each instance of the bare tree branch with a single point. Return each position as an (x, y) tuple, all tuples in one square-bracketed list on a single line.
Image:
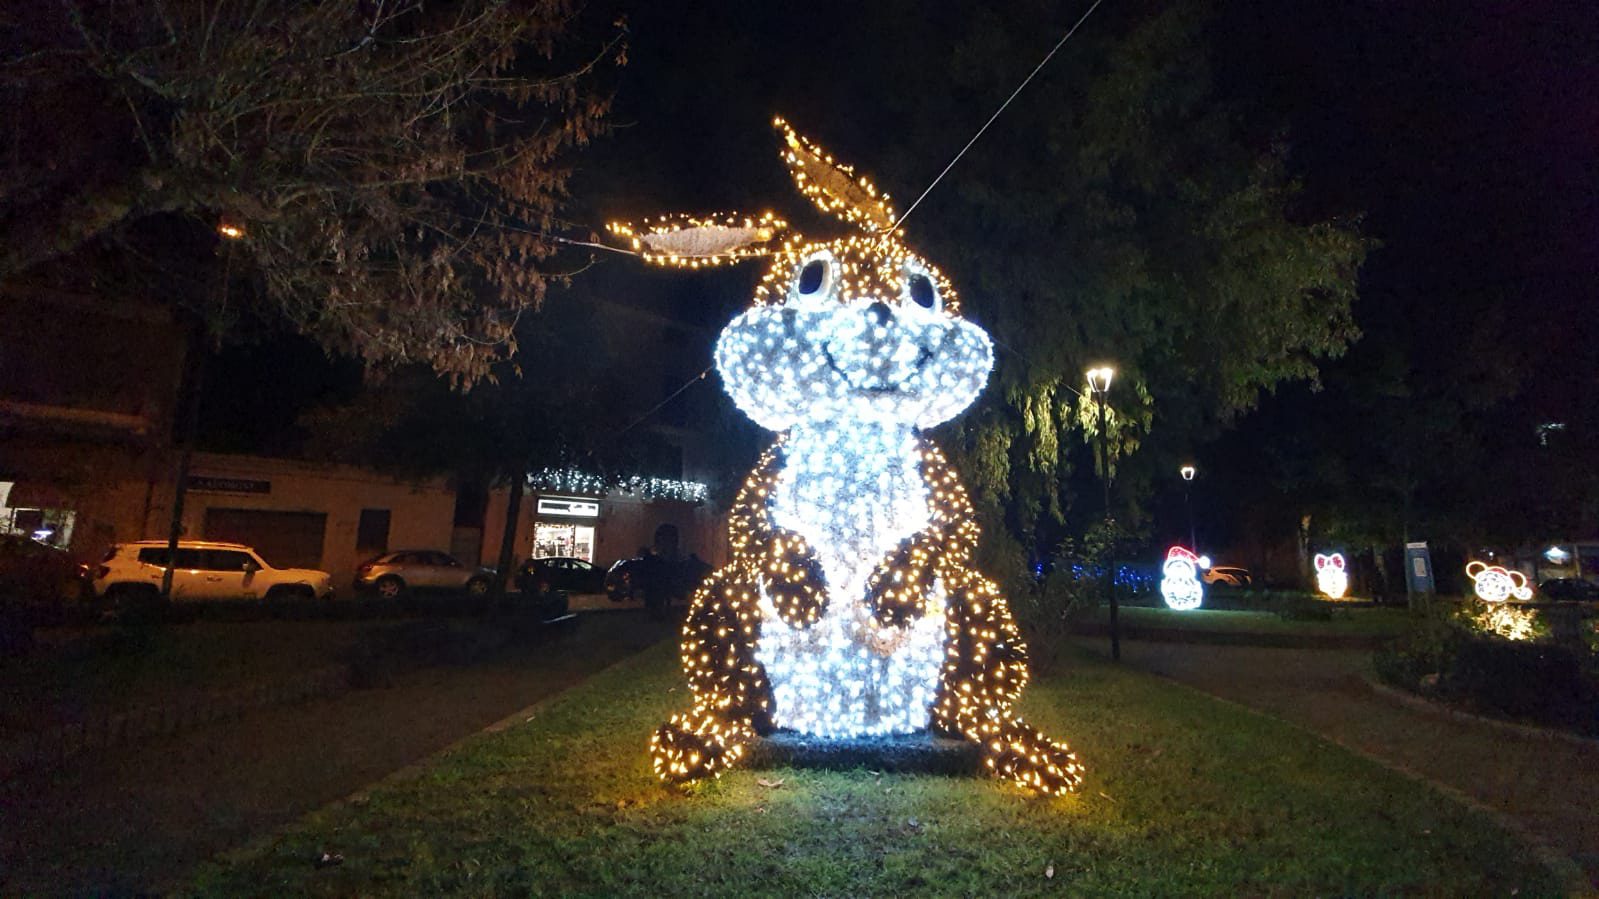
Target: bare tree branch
[(383, 159)]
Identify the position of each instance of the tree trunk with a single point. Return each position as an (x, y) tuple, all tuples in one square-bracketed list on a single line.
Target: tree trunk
[(1307, 574), (1380, 589), (513, 513)]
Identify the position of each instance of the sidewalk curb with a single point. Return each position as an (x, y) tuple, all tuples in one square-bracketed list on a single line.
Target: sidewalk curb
[(265, 842), (1421, 703), (1561, 866)]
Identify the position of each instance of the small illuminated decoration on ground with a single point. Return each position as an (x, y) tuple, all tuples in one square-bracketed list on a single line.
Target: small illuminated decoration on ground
[(850, 607), (1508, 620), (1179, 583), (1331, 578), (1497, 584)]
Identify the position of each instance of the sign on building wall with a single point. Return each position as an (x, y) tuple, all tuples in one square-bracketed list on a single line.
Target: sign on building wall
[(560, 505), (200, 483)]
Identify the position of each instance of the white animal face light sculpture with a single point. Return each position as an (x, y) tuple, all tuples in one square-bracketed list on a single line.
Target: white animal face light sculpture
[(1179, 583), (1331, 578), (850, 607), (884, 349), (1495, 583)]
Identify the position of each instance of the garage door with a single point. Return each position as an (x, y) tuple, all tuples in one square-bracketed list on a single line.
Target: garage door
[(284, 539)]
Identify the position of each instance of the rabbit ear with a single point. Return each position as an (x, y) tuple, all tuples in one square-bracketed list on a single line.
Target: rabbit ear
[(1322, 561), (832, 185), (694, 242)]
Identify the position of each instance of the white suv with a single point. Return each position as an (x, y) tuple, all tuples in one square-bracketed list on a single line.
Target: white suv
[(205, 570)]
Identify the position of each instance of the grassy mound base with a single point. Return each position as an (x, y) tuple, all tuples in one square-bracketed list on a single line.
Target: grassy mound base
[(1185, 796)]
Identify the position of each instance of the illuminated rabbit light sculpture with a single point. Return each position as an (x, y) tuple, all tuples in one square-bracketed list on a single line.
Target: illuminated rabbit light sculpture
[(1331, 578), (1497, 584), (1179, 582), (850, 607)]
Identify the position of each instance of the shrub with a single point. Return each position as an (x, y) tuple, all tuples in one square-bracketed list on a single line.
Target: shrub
[(1535, 681), (1475, 667), (1306, 609), (1048, 612)]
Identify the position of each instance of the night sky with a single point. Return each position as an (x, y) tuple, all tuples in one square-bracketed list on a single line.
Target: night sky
[(1464, 133)]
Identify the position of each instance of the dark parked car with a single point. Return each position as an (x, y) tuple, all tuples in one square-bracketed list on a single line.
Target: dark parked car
[(561, 573), (682, 577), (1565, 589), (621, 582), (36, 582), (36, 572)]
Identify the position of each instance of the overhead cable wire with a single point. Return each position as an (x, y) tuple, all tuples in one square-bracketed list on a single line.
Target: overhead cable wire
[(1019, 88)]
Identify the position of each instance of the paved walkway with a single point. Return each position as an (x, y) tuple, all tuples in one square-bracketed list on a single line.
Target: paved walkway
[(127, 822), (1551, 787)]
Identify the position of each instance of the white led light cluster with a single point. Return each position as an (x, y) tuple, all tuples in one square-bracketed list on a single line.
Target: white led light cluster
[(1331, 578), (1179, 583), (1495, 583), (573, 481)]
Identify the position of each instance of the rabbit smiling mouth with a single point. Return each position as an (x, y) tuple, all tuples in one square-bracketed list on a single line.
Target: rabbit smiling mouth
[(864, 379)]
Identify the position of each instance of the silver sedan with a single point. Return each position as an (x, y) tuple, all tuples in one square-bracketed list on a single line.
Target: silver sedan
[(393, 573)]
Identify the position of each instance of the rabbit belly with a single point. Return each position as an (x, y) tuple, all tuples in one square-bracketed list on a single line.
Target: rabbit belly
[(854, 493), (845, 675)]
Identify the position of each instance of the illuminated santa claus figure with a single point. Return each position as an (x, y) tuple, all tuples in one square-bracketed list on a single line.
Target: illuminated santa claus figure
[(1331, 579), (1179, 584)]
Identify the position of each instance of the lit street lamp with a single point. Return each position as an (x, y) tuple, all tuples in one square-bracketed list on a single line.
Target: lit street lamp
[(191, 384), (1188, 472), (1099, 385)]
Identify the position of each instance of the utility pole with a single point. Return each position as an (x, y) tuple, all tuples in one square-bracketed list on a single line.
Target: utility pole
[(198, 346), (1099, 384), (1188, 472)]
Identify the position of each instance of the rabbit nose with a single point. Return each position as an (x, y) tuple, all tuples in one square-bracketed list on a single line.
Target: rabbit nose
[(879, 313)]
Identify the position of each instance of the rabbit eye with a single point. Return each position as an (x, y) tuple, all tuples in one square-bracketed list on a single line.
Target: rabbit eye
[(921, 291), (812, 278)]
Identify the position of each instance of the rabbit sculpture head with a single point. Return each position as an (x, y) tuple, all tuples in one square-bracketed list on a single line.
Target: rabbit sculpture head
[(854, 328)]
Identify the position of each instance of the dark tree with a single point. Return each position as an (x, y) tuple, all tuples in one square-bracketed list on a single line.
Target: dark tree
[(385, 170)]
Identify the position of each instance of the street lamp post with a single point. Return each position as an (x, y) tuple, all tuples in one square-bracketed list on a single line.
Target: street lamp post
[(230, 231), (1099, 384), (1188, 472)]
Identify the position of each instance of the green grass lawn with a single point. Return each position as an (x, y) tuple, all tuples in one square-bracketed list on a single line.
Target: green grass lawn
[(1361, 621), (1185, 795)]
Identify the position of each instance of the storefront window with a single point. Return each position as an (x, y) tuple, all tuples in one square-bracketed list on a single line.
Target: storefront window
[(560, 539), (53, 526)]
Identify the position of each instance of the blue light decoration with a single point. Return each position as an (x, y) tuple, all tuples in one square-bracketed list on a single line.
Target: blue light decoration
[(850, 607), (1179, 584)]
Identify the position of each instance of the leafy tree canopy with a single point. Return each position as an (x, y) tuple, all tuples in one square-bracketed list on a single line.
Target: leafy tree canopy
[(1125, 215)]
